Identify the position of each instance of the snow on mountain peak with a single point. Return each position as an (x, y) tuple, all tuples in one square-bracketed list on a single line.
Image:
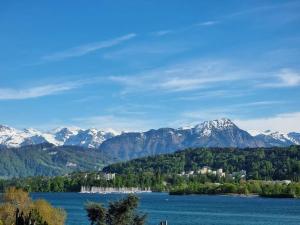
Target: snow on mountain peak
[(280, 137), (7, 129), (32, 131), (93, 138), (207, 127), (90, 138)]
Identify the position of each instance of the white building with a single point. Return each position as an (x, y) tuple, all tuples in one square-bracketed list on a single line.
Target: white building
[(191, 172), (220, 172), (204, 170), (109, 176)]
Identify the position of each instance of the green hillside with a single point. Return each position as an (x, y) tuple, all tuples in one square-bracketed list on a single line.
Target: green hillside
[(260, 164), (47, 160)]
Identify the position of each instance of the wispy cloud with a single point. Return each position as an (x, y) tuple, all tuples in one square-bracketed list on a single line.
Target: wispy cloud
[(213, 94), (141, 49), (87, 48), (188, 76), (184, 28), (206, 112), (207, 23), (38, 91), (258, 9), (264, 8), (259, 103), (285, 122), (162, 32), (117, 123), (186, 84), (285, 78)]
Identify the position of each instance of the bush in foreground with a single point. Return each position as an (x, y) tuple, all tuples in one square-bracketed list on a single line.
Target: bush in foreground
[(16, 204), (122, 212)]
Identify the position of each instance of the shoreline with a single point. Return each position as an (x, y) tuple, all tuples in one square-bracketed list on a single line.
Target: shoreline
[(240, 195), (112, 190), (167, 193)]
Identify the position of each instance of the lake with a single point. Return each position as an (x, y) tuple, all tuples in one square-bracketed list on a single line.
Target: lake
[(189, 210)]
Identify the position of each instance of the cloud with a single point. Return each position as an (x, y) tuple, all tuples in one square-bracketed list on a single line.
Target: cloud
[(143, 49), (213, 94), (185, 84), (117, 123), (187, 76), (285, 122), (205, 112), (88, 48), (39, 91), (285, 78), (260, 9), (207, 23), (184, 28), (265, 8), (161, 32), (259, 103)]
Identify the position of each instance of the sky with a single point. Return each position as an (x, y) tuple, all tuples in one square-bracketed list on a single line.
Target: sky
[(136, 65)]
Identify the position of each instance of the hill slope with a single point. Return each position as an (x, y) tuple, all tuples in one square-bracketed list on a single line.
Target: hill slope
[(270, 163), (48, 160), (217, 133)]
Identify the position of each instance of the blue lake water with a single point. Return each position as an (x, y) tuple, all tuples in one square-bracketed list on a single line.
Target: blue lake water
[(188, 210)]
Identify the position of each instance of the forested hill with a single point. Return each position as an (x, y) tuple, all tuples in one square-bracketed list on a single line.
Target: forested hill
[(47, 160), (269, 163)]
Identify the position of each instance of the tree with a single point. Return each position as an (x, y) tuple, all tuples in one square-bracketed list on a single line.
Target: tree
[(17, 197), (122, 212), (17, 205), (96, 213), (53, 216)]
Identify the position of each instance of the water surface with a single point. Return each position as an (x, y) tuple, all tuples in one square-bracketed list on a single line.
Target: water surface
[(189, 210)]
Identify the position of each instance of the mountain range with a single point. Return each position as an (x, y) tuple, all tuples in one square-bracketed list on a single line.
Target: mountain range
[(30, 152), (216, 133), (89, 138), (127, 145)]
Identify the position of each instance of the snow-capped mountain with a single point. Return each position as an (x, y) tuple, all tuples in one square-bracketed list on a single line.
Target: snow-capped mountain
[(206, 128), (215, 133), (11, 137), (278, 139), (294, 137), (90, 138)]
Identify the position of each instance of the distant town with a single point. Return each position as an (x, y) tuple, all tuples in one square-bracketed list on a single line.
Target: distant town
[(205, 170)]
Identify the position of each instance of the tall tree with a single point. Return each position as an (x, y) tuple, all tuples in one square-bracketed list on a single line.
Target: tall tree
[(122, 212), (96, 213)]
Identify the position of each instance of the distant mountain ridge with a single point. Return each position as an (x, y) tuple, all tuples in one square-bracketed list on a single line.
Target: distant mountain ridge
[(30, 152), (89, 138), (48, 160), (215, 133)]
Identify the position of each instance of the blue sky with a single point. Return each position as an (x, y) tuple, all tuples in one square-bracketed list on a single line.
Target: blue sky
[(136, 65)]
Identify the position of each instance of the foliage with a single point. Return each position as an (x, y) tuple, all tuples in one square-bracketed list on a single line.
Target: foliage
[(53, 216), (47, 160), (160, 173), (40, 210), (260, 164), (96, 213), (262, 188), (33, 218), (122, 212)]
